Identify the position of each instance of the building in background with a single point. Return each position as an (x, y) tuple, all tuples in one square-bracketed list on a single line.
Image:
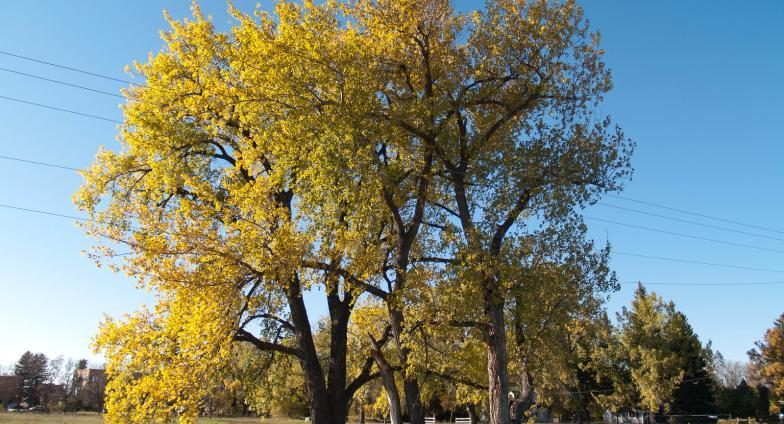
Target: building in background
[(9, 387), (90, 387)]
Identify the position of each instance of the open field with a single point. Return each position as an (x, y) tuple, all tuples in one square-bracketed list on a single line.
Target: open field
[(91, 418)]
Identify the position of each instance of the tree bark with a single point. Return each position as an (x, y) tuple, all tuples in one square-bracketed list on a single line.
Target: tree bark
[(318, 399), (496, 360), (410, 384), (388, 380), (336, 376), (416, 413)]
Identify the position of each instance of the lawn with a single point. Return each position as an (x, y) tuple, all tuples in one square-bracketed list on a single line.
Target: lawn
[(91, 418)]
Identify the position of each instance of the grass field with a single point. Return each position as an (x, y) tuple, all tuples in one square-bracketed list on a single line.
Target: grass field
[(91, 418)]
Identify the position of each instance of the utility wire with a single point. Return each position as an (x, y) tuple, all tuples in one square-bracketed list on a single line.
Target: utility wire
[(38, 163), (688, 261), (60, 109), (82, 71), (748, 246), (709, 283), (43, 212), (695, 213), (690, 222), (62, 82)]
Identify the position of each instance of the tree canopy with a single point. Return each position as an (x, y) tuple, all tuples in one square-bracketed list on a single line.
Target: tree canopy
[(360, 150)]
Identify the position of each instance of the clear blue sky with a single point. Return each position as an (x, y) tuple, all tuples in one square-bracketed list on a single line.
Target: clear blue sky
[(697, 85)]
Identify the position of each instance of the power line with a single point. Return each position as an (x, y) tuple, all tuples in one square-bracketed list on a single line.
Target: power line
[(696, 213), (689, 222), (748, 246), (61, 109), (82, 71), (38, 163), (61, 82), (689, 261), (709, 283), (43, 212)]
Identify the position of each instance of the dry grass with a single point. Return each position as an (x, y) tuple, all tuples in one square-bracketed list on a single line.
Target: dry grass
[(92, 418)]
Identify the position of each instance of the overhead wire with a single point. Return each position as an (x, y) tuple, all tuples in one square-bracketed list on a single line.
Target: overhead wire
[(657, 205), (60, 109), (82, 71), (689, 221), (703, 283), (34, 162), (690, 261), (81, 87), (642, 227)]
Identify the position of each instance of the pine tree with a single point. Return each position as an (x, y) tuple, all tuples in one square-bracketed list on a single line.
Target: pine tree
[(696, 393), (32, 370)]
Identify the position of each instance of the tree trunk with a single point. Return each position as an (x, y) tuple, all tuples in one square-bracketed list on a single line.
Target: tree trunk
[(388, 380), (318, 398), (472, 413), (336, 376), (416, 414), (497, 361), (410, 384), (521, 405)]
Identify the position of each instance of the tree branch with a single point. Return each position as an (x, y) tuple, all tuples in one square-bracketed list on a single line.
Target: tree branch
[(244, 336)]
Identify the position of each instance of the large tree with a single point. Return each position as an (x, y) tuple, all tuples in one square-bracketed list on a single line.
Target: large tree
[(348, 150), (235, 196), (522, 149)]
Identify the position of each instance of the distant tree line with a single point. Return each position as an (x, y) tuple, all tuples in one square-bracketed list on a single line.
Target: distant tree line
[(649, 362), (37, 382)]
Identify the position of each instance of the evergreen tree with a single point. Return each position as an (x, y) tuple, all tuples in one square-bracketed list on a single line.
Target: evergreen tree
[(655, 361), (739, 401), (646, 333), (763, 402), (696, 393), (32, 370)]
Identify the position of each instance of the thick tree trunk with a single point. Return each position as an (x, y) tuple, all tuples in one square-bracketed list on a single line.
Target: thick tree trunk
[(497, 362), (328, 399), (336, 376), (416, 413), (315, 386), (388, 380)]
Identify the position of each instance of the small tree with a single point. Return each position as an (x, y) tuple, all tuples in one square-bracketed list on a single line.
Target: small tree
[(768, 359), (644, 362)]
